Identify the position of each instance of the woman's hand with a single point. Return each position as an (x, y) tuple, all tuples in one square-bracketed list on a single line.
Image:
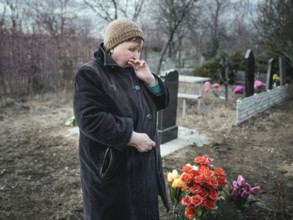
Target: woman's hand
[(142, 71), (141, 142)]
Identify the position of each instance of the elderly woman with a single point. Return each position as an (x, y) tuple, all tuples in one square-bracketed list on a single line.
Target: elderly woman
[(116, 99)]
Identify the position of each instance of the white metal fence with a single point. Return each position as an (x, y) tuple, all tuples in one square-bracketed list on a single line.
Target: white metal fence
[(259, 102)]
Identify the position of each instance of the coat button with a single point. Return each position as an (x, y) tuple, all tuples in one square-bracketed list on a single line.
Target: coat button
[(137, 87), (149, 116)]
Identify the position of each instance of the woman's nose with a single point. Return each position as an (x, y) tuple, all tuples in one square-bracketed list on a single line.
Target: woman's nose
[(136, 55)]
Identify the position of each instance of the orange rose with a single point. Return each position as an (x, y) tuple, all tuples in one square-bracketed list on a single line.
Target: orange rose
[(193, 173), (208, 173), (200, 179), (209, 205), (190, 212), (204, 193), (186, 178), (200, 160), (220, 172), (202, 169), (195, 189), (196, 200), (212, 183), (186, 200), (187, 168), (213, 195), (222, 180)]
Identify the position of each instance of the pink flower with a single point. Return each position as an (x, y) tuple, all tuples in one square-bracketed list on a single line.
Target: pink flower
[(240, 181), (234, 192), (206, 89), (208, 161), (255, 190), (244, 195), (259, 84), (239, 90), (215, 86), (207, 84)]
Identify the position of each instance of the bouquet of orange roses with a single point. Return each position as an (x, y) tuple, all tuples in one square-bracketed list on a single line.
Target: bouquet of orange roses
[(202, 188)]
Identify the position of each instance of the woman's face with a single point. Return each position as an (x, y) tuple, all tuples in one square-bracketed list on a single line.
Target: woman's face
[(125, 51)]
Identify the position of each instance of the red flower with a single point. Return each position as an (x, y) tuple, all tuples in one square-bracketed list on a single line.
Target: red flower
[(208, 173), (193, 173), (202, 169), (186, 200), (212, 183), (200, 160), (196, 200), (187, 168), (195, 189), (209, 205), (186, 178), (220, 172), (222, 180), (213, 195), (204, 193), (200, 179), (190, 212)]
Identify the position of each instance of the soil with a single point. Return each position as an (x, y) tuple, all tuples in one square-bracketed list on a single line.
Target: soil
[(39, 166)]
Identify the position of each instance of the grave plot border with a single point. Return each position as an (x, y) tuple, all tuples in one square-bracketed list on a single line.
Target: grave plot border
[(259, 102)]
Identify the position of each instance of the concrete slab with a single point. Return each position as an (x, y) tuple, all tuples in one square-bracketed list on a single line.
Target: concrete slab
[(185, 138)]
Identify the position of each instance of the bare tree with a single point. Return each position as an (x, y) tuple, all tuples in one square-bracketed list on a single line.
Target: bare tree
[(13, 15), (171, 15), (111, 10), (275, 25), (212, 26)]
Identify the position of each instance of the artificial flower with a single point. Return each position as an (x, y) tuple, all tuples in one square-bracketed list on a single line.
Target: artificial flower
[(255, 190), (190, 212)]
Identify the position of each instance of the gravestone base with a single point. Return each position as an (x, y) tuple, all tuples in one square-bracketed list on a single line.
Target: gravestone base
[(168, 134)]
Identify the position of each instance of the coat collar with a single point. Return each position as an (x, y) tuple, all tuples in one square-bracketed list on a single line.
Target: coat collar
[(104, 57)]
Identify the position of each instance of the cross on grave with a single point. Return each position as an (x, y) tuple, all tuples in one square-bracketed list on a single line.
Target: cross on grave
[(282, 69), (269, 74), (249, 73), (226, 63), (167, 128)]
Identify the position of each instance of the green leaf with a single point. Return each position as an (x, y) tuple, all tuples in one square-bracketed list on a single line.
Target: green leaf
[(213, 211), (198, 212), (221, 197)]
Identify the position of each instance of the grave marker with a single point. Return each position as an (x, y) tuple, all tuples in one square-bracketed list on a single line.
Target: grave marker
[(167, 128), (226, 63), (249, 73), (282, 69), (269, 74)]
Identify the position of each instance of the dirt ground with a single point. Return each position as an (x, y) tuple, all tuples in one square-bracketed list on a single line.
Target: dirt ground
[(39, 166)]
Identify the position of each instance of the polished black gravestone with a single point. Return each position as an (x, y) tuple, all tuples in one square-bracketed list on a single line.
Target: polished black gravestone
[(167, 128)]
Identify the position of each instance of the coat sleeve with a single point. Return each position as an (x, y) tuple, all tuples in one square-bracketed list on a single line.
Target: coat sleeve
[(93, 116), (161, 99)]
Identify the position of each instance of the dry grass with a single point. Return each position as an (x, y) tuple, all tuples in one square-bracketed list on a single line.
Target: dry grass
[(216, 116)]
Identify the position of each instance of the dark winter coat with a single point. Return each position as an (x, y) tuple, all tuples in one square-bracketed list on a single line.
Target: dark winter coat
[(110, 102)]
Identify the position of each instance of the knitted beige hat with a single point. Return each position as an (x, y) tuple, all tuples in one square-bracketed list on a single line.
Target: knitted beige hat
[(119, 31)]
